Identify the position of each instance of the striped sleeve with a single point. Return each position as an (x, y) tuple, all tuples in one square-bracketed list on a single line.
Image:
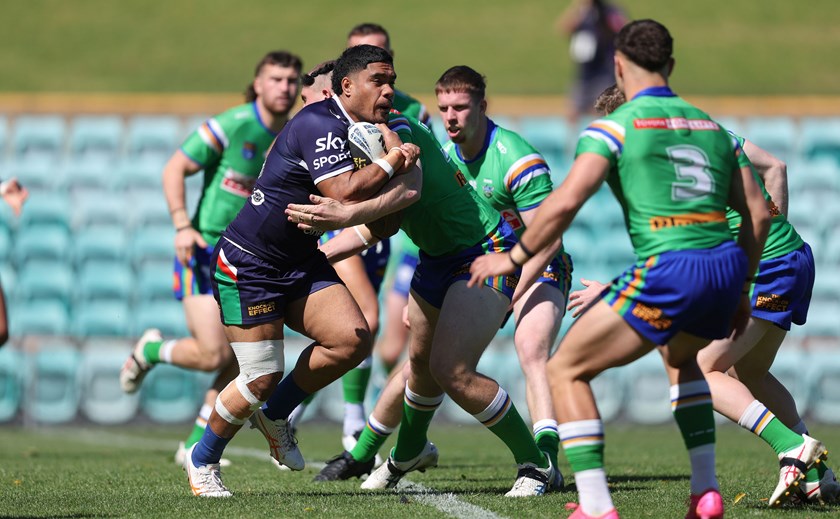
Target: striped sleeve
[(528, 180), (206, 144), (604, 137)]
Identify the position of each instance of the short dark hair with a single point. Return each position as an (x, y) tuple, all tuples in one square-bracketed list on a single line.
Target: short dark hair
[(321, 69), (609, 100), (280, 58), (357, 58), (646, 43), (366, 29), (462, 78)]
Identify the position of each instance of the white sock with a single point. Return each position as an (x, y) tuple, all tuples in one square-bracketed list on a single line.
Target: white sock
[(800, 428), (204, 412), (296, 415), (354, 418), (166, 351), (545, 425), (703, 468), (594, 495)]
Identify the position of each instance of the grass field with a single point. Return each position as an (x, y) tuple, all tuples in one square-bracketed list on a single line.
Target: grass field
[(128, 472), (722, 47)]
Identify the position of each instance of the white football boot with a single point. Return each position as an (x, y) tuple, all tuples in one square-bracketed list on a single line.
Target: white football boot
[(136, 368), (391, 472), (532, 480), (793, 465), (281, 442), (205, 481)]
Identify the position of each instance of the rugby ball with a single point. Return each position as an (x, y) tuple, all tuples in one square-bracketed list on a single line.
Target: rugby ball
[(366, 143)]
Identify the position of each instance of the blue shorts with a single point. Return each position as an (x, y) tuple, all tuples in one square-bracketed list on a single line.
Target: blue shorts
[(692, 291), (374, 258), (194, 279), (781, 293), (435, 274), (404, 273), (250, 290)]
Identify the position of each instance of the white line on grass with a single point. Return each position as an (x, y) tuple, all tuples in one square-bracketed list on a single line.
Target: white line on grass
[(447, 502)]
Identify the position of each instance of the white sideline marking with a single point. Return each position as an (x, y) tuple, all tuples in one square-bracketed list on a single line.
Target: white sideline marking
[(448, 503)]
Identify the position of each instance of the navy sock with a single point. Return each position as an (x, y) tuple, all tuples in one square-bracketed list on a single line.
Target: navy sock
[(209, 449), (285, 398)]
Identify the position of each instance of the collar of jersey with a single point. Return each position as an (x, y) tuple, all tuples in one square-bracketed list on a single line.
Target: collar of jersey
[(659, 91), (488, 137), (341, 107), (259, 119)]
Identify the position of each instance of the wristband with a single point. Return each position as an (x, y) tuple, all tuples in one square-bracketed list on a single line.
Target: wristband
[(515, 264), (179, 229), (361, 236), (522, 259), (386, 167), (526, 250), (395, 148)]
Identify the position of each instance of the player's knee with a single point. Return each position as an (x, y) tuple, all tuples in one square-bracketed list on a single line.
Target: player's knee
[(262, 387), (261, 366), (532, 355), (358, 348), (453, 378)]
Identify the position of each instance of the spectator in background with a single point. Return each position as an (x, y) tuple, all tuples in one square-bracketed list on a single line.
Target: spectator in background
[(591, 26), (15, 195)]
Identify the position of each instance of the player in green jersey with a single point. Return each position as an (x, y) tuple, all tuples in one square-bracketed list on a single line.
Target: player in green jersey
[(230, 148), (451, 326), (515, 179), (674, 171), (375, 34), (785, 276)]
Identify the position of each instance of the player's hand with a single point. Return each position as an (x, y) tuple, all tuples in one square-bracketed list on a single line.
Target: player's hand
[(14, 194), (580, 300), (742, 316), (392, 140), (488, 266), (324, 214), (186, 240), (411, 152)]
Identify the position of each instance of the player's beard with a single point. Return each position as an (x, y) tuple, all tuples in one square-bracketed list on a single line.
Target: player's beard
[(281, 105)]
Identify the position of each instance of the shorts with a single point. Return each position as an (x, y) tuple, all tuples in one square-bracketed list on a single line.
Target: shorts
[(374, 258), (250, 290), (693, 291), (782, 290), (404, 273), (435, 274), (194, 279)]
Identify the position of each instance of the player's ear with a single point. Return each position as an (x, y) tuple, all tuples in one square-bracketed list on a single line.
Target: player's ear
[(327, 93), (482, 106), (346, 84), (671, 64)]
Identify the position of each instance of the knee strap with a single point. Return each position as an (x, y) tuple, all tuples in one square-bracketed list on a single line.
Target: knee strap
[(259, 358)]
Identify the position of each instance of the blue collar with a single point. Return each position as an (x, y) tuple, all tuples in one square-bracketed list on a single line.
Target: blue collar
[(660, 91), (488, 137), (259, 119)]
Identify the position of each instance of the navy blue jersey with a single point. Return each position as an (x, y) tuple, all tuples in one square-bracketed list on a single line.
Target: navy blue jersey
[(311, 148)]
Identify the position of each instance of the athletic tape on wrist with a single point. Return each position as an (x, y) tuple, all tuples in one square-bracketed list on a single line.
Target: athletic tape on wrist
[(361, 236), (386, 166)]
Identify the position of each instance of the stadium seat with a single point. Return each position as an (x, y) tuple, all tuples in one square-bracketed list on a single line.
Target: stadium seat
[(96, 137), (4, 136), (142, 176), (438, 129), (42, 279), (510, 123), (38, 138), (39, 317), (778, 135), (5, 243), (103, 401), (37, 176), (820, 137), (579, 242), (101, 318), (823, 318), (648, 398), (153, 138), (105, 280), (152, 244), (100, 243), (733, 124), (609, 391), (789, 368), (11, 382), (83, 174), (98, 209), (47, 242), (613, 248), (824, 378), (154, 281), (550, 136), (53, 390), (168, 394), (50, 208), (150, 211), (166, 316), (818, 177), (8, 278)]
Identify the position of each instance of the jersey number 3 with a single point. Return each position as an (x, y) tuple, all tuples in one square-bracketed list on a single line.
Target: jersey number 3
[(694, 180)]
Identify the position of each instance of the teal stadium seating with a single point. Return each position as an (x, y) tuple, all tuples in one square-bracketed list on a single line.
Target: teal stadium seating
[(39, 317), (154, 282), (105, 280), (167, 316), (50, 208), (143, 177), (53, 393), (103, 401), (168, 394), (43, 279), (647, 386), (11, 382), (100, 243), (152, 139), (778, 135), (154, 244), (550, 136), (97, 138), (102, 318), (820, 137), (824, 377), (96, 209), (47, 242)]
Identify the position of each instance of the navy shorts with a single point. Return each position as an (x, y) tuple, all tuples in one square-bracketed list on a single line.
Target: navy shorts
[(250, 290), (404, 273), (435, 274), (693, 291), (782, 290)]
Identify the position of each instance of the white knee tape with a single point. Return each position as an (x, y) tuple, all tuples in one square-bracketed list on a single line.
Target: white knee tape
[(258, 358), (242, 386), (225, 414)]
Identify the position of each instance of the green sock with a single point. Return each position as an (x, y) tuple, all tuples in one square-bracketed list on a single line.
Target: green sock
[(371, 440), (355, 384), (418, 412), (151, 351), (547, 438), (583, 443), (759, 420), (200, 425), (503, 420)]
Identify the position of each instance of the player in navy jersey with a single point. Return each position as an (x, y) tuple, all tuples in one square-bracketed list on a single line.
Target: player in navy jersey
[(268, 273)]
